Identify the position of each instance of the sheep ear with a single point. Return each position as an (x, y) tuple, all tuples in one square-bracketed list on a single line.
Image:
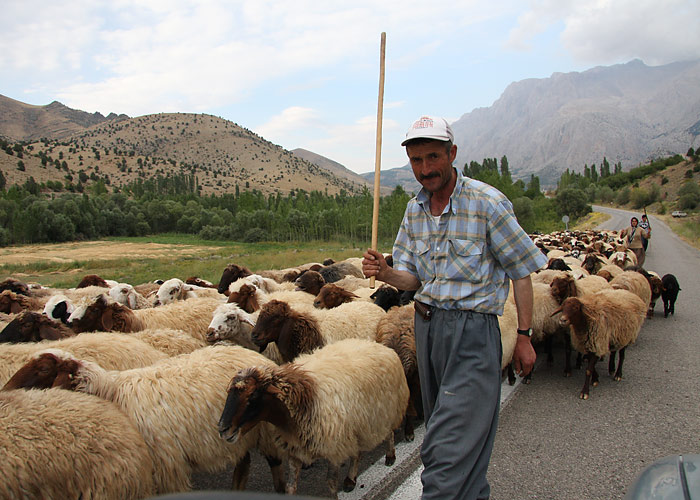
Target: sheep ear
[(48, 332), (107, 320), (247, 320), (557, 311)]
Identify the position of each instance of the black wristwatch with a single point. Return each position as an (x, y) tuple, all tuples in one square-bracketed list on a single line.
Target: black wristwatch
[(527, 333)]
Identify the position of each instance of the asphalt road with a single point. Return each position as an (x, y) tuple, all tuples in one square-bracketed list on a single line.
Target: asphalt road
[(553, 445)]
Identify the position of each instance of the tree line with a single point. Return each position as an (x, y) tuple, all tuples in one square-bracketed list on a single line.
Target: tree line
[(35, 213)]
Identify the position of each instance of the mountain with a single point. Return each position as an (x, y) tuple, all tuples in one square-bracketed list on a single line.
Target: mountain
[(628, 113), (70, 146), (339, 170), (400, 176), (26, 122)]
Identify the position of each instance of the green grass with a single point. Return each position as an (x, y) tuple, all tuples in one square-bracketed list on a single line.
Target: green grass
[(208, 264), (688, 229)]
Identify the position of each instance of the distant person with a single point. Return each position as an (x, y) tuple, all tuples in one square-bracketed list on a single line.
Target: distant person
[(459, 246), (632, 236), (647, 227)]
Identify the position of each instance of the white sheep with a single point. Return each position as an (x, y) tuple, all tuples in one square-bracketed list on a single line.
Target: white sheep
[(174, 404), (635, 282), (175, 289), (126, 294), (104, 314), (232, 324), (112, 350), (603, 322), (340, 400), (171, 342), (59, 444)]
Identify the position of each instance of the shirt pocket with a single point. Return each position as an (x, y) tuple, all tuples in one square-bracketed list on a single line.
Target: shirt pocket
[(424, 263), (465, 261)]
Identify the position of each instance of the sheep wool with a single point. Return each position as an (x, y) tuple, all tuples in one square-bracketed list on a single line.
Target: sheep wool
[(175, 404), (61, 444), (612, 320), (113, 351)]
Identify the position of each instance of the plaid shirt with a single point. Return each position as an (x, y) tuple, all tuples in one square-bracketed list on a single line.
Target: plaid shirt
[(466, 260)]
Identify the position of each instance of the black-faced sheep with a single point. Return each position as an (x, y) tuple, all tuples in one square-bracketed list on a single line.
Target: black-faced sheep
[(296, 331), (669, 293), (335, 403), (386, 296), (31, 326), (59, 307), (58, 444), (602, 323), (174, 403)]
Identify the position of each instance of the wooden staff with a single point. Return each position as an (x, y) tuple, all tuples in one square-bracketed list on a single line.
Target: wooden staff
[(378, 150)]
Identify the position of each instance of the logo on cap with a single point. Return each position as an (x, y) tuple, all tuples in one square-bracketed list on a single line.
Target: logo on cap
[(423, 122)]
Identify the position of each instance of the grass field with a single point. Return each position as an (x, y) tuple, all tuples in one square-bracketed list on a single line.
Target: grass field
[(140, 260)]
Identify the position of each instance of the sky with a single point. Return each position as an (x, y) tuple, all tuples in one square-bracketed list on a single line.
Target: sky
[(306, 74)]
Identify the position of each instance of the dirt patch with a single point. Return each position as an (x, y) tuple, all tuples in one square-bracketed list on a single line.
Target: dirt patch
[(96, 250)]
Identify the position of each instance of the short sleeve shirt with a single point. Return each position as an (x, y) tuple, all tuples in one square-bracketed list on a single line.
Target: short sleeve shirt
[(465, 259)]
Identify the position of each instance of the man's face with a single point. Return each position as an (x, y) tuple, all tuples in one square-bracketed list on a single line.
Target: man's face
[(432, 164)]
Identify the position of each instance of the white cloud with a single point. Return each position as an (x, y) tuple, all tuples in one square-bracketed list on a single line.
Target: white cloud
[(611, 31)]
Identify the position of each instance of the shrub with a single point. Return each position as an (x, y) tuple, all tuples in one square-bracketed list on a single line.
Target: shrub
[(664, 180)]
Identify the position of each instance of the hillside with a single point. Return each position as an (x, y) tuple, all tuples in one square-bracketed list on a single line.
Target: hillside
[(220, 154), (339, 170)]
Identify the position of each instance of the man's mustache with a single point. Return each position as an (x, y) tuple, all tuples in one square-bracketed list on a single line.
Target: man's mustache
[(429, 176)]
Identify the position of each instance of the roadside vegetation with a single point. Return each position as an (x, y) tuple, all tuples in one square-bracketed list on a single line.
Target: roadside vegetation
[(50, 213)]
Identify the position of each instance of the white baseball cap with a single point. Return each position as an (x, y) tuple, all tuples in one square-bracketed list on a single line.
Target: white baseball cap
[(430, 127)]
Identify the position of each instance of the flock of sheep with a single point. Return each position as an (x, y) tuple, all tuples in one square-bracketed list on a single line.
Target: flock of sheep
[(138, 387)]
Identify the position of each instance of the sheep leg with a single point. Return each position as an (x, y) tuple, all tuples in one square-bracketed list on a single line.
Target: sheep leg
[(579, 360), (511, 374), (611, 362), (549, 340), (592, 359), (332, 480), (567, 356), (277, 471), (350, 480), (391, 450), (241, 473), (293, 476), (618, 373)]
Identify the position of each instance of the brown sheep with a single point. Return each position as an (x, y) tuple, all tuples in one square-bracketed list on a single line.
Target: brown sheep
[(397, 331), (14, 286), (332, 295), (31, 326), (601, 323), (310, 282), (231, 273), (92, 280), (298, 330), (246, 298), (105, 314)]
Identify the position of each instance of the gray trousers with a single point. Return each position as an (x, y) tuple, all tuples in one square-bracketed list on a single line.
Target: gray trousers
[(459, 363)]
